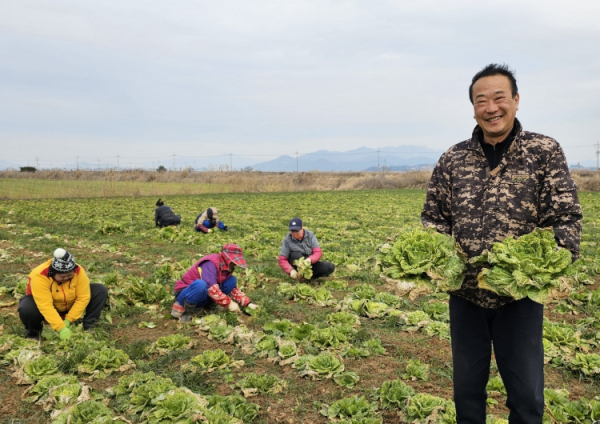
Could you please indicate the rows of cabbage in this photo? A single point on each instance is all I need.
(364, 300)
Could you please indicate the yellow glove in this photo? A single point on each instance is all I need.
(252, 306)
(294, 274)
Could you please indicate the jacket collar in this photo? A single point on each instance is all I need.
(474, 143)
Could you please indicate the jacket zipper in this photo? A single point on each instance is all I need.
(65, 297)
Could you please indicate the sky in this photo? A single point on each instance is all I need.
(141, 82)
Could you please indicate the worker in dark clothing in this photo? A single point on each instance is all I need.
(164, 215)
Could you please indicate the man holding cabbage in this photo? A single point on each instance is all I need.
(502, 182)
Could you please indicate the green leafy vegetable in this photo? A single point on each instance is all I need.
(351, 407)
(253, 384)
(234, 405)
(415, 369)
(105, 361)
(529, 266)
(394, 394)
(323, 366)
(346, 379)
(40, 367)
(304, 268)
(424, 255)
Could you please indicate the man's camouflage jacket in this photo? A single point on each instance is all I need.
(531, 187)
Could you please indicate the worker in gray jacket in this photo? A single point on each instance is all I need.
(302, 243)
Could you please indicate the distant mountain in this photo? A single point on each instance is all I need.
(8, 165)
(361, 159)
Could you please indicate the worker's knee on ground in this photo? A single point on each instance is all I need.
(196, 293)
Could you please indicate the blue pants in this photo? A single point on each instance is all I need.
(197, 292)
(207, 224)
(515, 331)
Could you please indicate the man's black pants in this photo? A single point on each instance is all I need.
(515, 330)
(319, 268)
(32, 318)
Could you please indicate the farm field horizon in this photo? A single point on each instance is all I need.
(116, 241)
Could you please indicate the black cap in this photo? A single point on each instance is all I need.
(295, 224)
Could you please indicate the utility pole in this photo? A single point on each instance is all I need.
(296, 161)
(98, 164)
(597, 156)
(117, 162)
(174, 162)
(77, 157)
(230, 161)
(378, 161)
(37, 163)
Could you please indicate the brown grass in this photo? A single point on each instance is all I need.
(58, 183)
(112, 183)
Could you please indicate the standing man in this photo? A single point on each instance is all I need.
(302, 243)
(502, 182)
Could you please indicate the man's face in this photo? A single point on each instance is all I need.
(297, 234)
(495, 108)
(63, 278)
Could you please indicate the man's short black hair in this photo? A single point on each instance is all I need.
(495, 69)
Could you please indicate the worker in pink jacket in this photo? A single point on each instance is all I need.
(211, 280)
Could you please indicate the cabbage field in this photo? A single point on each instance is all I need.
(350, 348)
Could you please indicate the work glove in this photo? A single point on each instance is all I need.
(252, 306)
(67, 323)
(294, 274)
(233, 307)
(65, 333)
(209, 230)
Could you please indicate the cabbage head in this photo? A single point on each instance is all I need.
(104, 361)
(304, 291)
(304, 268)
(278, 327)
(422, 405)
(40, 367)
(253, 384)
(330, 337)
(343, 318)
(87, 412)
(233, 405)
(352, 407)
(301, 331)
(177, 407)
(346, 379)
(529, 266)
(211, 359)
(145, 396)
(394, 394)
(587, 364)
(173, 342)
(323, 366)
(423, 254)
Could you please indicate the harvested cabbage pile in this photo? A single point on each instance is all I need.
(422, 255)
(529, 266)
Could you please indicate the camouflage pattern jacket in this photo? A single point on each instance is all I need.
(531, 187)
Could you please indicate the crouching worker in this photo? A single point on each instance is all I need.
(59, 292)
(210, 280)
(301, 243)
(164, 215)
(207, 220)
